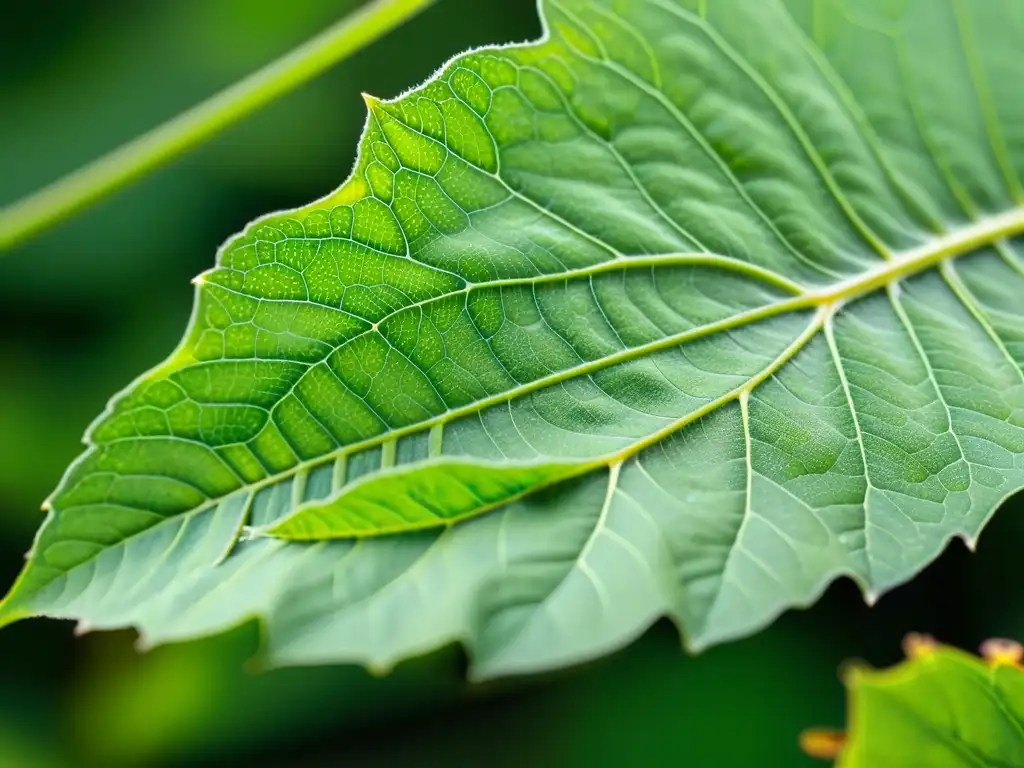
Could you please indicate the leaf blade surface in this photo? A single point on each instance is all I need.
(758, 306)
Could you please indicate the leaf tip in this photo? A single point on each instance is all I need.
(379, 668)
(9, 616)
(144, 643)
(822, 743)
(372, 102)
(269, 531)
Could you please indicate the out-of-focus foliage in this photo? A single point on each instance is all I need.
(942, 708)
(85, 307)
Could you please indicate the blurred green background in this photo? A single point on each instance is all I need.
(89, 305)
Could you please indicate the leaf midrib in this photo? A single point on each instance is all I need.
(906, 264)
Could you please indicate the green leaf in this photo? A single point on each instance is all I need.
(942, 708)
(704, 304)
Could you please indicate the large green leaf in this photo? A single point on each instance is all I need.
(703, 304)
(942, 708)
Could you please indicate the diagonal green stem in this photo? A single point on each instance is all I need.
(106, 174)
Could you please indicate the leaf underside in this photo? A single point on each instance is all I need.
(686, 309)
(944, 709)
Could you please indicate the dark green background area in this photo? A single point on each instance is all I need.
(89, 305)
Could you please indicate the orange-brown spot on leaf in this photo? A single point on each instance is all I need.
(917, 645)
(822, 743)
(999, 651)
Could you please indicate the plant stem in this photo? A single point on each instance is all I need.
(153, 149)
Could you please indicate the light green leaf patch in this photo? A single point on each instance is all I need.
(686, 309)
(412, 498)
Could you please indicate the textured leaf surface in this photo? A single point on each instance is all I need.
(685, 310)
(943, 709)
